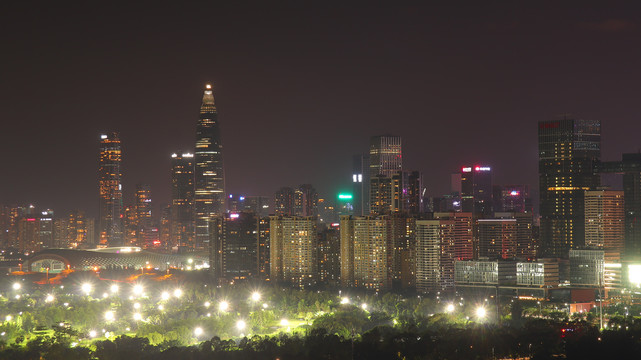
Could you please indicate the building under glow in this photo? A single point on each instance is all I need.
(110, 187)
(209, 197)
(182, 199)
(569, 149)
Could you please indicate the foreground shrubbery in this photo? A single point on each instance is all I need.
(430, 339)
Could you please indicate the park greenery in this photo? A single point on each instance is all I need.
(86, 316)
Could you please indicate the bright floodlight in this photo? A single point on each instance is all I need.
(93, 333)
(223, 306)
(364, 306)
(240, 325)
(16, 286)
(114, 288)
(86, 288)
(109, 315)
(198, 331)
(160, 307)
(207, 304)
(255, 296)
(165, 295)
(136, 305)
(284, 322)
(344, 301)
(450, 308)
(8, 318)
(137, 316)
(138, 289)
(480, 312)
(178, 293)
(49, 298)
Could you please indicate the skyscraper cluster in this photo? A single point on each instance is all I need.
(389, 233)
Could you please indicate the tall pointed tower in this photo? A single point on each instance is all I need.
(209, 199)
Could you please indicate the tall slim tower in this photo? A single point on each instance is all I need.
(182, 199)
(110, 186)
(209, 199)
(568, 152)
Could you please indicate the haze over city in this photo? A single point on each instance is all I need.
(301, 89)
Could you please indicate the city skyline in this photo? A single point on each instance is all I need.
(443, 126)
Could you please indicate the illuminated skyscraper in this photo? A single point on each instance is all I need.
(293, 250)
(605, 220)
(476, 189)
(144, 220)
(182, 199)
(385, 155)
(568, 152)
(110, 186)
(209, 199)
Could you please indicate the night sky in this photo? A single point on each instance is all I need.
(299, 90)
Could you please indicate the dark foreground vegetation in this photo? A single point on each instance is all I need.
(434, 338)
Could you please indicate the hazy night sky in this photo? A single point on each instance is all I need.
(299, 90)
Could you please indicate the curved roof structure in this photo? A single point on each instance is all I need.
(57, 260)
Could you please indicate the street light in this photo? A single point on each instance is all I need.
(450, 308)
(137, 316)
(16, 286)
(198, 331)
(344, 301)
(86, 288)
(138, 289)
(364, 306)
(284, 322)
(223, 306)
(49, 298)
(240, 325)
(109, 316)
(114, 288)
(164, 296)
(178, 293)
(255, 296)
(481, 312)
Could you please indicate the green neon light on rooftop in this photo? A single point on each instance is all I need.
(345, 196)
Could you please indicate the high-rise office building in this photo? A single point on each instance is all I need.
(240, 246)
(293, 250)
(605, 220)
(361, 182)
(385, 155)
(476, 189)
(144, 219)
(182, 199)
(630, 168)
(46, 228)
(209, 198)
(568, 152)
(512, 198)
(110, 186)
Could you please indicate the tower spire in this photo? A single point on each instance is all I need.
(208, 104)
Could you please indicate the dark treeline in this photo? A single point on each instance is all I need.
(438, 339)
